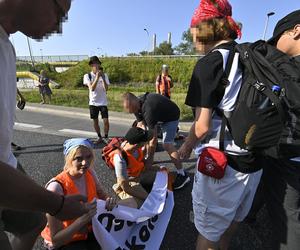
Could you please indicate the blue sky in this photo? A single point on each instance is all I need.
(116, 27)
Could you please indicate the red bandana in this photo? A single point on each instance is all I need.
(209, 9)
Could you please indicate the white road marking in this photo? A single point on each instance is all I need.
(78, 132)
(26, 125)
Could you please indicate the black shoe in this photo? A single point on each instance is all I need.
(181, 181)
(15, 146)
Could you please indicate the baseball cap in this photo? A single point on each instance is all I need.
(286, 23)
(94, 60)
(138, 135)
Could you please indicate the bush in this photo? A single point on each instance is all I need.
(125, 70)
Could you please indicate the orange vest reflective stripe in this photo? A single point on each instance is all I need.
(164, 87)
(70, 188)
(134, 165)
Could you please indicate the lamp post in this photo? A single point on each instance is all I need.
(148, 39)
(30, 52)
(267, 23)
(42, 55)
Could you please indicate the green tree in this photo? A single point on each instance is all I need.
(186, 47)
(164, 49)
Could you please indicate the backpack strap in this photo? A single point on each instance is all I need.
(90, 76)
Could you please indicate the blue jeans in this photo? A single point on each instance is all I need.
(169, 130)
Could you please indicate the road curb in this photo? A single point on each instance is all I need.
(84, 114)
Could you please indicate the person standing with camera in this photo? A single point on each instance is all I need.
(98, 82)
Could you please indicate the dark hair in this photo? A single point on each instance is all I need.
(216, 29)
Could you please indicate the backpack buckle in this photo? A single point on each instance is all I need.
(259, 86)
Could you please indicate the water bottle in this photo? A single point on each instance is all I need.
(276, 90)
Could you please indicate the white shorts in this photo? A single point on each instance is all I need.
(217, 203)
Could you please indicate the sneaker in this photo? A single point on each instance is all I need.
(181, 181)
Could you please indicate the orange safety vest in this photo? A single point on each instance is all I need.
(70, 188)
(134, 165)
(164, 86)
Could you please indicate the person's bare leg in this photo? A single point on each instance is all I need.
(43, 99)
(172, 151)
(106, 126)
(49, 97)
(227, 236)
(97, 129)
(205, 244)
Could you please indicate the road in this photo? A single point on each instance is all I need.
(42, 134)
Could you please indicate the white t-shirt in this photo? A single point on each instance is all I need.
(8, 92)
(98, 96)
(227, 104)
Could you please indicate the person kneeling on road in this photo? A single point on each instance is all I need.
(131, 169)
(78, 177)
(151, 109)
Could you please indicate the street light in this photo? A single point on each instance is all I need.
(42, 55)
(266, 25)
(148, 43)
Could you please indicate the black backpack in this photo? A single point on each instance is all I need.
(264, 120)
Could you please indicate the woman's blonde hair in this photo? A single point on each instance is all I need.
(70, 156)
(215, 29)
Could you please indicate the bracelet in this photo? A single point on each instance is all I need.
(60, 207)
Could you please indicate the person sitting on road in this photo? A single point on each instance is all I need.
(151, 109)
(78, 177)
(131, 168)
(164, 82)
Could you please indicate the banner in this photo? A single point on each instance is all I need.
(127, 228)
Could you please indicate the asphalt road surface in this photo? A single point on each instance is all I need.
(42, 136)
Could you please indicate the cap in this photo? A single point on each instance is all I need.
(138, 135)
(286, 23)
(94, 60)
(76, 142)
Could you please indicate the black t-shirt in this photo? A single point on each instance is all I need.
(157, 108)
(203, 88)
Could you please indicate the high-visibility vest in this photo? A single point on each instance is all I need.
(134, 165)
(164, 86)
(70, 188)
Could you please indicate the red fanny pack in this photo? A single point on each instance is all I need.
(212, 162)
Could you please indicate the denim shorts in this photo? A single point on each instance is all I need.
(169, 130)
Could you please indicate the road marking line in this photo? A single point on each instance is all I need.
(26, 125)
(76, 132)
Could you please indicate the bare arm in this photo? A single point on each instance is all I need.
(105, 84)
(93, 85)
(197, 132)
(60, 236)
(25, 194)
(133, 191)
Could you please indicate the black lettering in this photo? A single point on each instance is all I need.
(144, 234)
(133, 245)
(155, 218)
(110, 219)
(130, 223)
(119, 224)
(150, 225)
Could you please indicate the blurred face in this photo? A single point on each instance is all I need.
(129, 107)
(40, 18)
(203, 47)
(165, 71)
(95, 67)
(81, 162)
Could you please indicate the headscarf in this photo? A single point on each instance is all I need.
(76, 142)
(209, 9)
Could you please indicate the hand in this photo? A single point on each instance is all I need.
(185, 151)
(163, 169)
(110, 203)
(98, 74)
(74, 206)
(87, 217)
